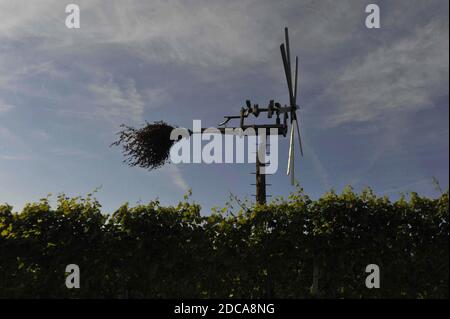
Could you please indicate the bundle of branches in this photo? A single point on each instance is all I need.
(147, 147)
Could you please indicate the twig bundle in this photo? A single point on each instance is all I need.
(147, 147)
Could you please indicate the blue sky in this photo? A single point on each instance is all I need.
(375, 102)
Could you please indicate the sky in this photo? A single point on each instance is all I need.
(374, 102)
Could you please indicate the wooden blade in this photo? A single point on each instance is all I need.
(299, 136)
(287, 72)
(288, 51)
(292, 167)
(291, 151)
(295, 79)
(288, 59)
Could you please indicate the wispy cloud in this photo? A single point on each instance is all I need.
(396, 78)
(118, 101)
(176, 177)
(9, 139)
(15, 157)
(4, 107)
(318, 165)
(200, 33)
(156, 97)
(74, 152)
(40, 135)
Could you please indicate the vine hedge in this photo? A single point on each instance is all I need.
(151, 251)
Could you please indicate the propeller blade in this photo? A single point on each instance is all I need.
(285, 55)
(293, 171)
(291, 151)
(288, 59)
(287, 72)
(299, 136)
(288, 51)
(296, 78)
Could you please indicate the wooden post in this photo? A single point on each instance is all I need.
(260, 178)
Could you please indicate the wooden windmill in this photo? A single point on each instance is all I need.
(149, 146)
(288, 114)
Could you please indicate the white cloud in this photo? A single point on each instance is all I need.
(156, 97)
(40, 135)
(176, 177)
(318, 165)
(46, 68)
(15, 157)
(8, 137)
(4, 107)
(26, 76)
(224, 36)
(397, 78)
(118, 102)
(201, 33)
(74, 152)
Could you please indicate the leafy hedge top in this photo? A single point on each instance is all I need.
(168, 252)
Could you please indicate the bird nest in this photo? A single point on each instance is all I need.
(147, 147)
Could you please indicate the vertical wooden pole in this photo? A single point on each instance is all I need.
(260, 178)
